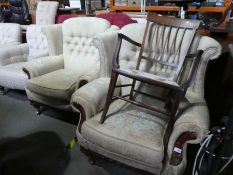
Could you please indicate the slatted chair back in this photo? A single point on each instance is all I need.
(165, 44)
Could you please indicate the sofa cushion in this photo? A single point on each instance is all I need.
(118, 19)
(126, 132)
(57, 84)
(12, 76)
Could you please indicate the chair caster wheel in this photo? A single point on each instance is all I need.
(91, 161)
(4, 90)
(39, 110)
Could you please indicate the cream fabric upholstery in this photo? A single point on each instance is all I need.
(13, 58)
(10, 34)
(46, 12)
(133, 135)
(56, 78)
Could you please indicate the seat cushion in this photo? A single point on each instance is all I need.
(58, 84)
(12, 76)
(129, 133)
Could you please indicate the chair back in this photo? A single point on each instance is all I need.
(79, 53)
(46, 12)
(10, 34)
(37, 42)
(165, 44)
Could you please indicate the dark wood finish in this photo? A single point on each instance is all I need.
(177, 153)
(82, 116)
(27, 73)
(170, 49)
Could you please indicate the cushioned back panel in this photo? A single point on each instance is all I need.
(46, 12)
(79, 53)
(37, 42)
(10, 34)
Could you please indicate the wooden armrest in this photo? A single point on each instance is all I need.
(115, 60)
(129, 39)
(177, 153)
(194, 68)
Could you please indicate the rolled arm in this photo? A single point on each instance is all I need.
(211, 50)
(14, 54)
(194, 122)
(91, 97)
(43, 65)
(106, 44)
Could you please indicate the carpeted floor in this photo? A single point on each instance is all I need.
(31, 144)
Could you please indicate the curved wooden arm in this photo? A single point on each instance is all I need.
(177, 153)
(82, 115)
(115, 61)
(26, 72)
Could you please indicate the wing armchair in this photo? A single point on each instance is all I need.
(13, 58)
(132, 135)
(54, 79)
(10, 34)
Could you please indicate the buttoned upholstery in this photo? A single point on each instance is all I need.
(10, 34)
(133, 135)
(46, 12)
(55, 81)
(12, 59)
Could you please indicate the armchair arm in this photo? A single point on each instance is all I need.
(43, 65)
(106, 44)
(90, 97)
(14, 54)
(54, 37)
(211, 50)
(194, 122)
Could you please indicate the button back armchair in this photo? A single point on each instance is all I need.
(54, 79)
(13, 58)
(133, 135)
(10, 34)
